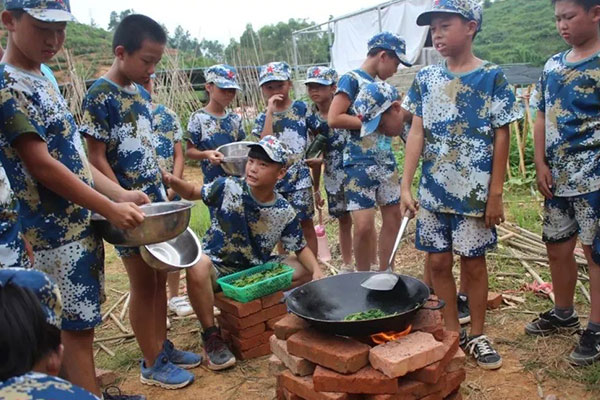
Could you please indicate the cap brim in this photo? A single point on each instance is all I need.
(320, 81)
(266, 150)
(50, 15)
(403, 60)
(370, 126)
(273, 78)
(226, 85)
(425, 18)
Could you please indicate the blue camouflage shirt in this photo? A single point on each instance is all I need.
(12, 247)
(569, 94)
(122, 119)
(168, 132)
(460, 113)
(31, 104)
(290, 128)
(243, 231)
(207, 132)
(38, 386)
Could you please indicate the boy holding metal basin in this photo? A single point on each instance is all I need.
(248, 220)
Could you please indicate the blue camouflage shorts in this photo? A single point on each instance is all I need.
(303, 202)
(78, 269)
(568, 216)
(333, 180)
(336, 204)
(367, 186)
(443, 232)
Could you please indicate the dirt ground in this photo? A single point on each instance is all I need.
(533, 368)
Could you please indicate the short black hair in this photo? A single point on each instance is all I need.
(587, 4)
(259, 153)
(376, 50)
(134, 29)
(25, 335)
(17, 13)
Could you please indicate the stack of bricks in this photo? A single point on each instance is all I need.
(426, 364)
(247, 327)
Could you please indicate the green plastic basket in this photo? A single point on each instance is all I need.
(258, 289)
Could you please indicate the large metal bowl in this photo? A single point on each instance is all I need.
(236, 156)
(182, 252)
(164, 221)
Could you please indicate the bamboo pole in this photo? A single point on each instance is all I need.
(112, 308)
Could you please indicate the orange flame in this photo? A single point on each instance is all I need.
(384, 337)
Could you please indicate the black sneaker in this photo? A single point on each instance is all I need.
(219, 355)
(463, 338)
(480, 347)
(588, 350)
(464, 315)
(548, 323)
(114, 393)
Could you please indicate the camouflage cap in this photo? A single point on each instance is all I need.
(276, 151)
(469, 9)
(274, 71)
(390, 41)
(372, 101)
(43, 10)
(39, 283)
(223, 76)
(321, 75)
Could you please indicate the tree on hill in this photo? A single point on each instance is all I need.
(115, 18)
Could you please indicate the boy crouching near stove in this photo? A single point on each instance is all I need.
(249, 218)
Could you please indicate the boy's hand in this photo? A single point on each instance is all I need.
(314, 162)
(125, 215)
(215, 157)
(494, 211)
(544, 179)
(28, 250)
(317, 274)
(408, 205)
(133, 196)
(171, 194)
(319, 202)
(276, 98)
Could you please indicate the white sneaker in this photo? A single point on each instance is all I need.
(180, 306)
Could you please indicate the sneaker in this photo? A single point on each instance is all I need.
(464, 315)
(183, 359)
(165, 374)
(463, 338)
(588, 349)
(548, 323)
(114, 393)
(480, 347)
(219, 355)
(180, 306)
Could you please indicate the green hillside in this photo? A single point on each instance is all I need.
(518, 31)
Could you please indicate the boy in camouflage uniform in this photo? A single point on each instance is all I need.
(461, 110)
(13, 246)
(567, 138)
(386, 52)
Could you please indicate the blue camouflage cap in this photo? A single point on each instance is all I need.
(371, 102)
(274, 71)
(469, 9)
(222, 75)
(274, 149)
(390, 41)
(321, 75)
(41, 285)
(43, 10)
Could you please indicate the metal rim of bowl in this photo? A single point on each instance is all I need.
(186, 205)
(182, 266)
(243, 142)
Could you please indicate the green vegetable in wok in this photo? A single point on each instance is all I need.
(369, 314)
(259, 276)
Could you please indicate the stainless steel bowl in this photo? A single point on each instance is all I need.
(236, 156)
(164, 221)
(182, 252)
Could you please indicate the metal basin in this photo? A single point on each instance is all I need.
(182, 252)
(236, 156)
(164, 221)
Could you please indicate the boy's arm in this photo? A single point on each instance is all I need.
(315, 167)
(54, 175)
(494, 209)
(183, 188)
(309, 261)
(114, 191)
(97, 157)
(338, 116)
(268, 125)
(414, 148)
(177, 166)
(543, 174)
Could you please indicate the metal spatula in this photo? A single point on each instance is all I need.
(386, 280)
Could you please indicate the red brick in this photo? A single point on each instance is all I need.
(433, 396)
(271, 323)
(274, 311)
(454, 396)
(453, 381)
(407, 354)
(457, 362)
(276, 366)
(366, 380)
(290, 396)
(236, 308)
(298, 366)
(105, 377)
(245, 322)
(289, 325)
(241, 333)
(430, 321)
(262, 350)
(433, 372)
(303, 387)
(271, 299)
(250, 343)
(409, 389)
(338, 353)
(494, 300)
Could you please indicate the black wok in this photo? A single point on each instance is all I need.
(326, 302)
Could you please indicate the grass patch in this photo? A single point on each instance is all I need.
(200, 219)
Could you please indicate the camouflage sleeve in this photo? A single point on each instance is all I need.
(347, 85)
(505, 107)
(538, 100)
(194, 130)
(413, 101)
(95, 121)
(212, 193)
(259, 125)
(241, 134)
(292, 237)
(178, 136)
(18, 116)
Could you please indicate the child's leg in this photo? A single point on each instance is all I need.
(308, 229)
(564, 271)
(475, 269)
(391, 219)
(594, 272)
(201, 283)
(362, 237)
(445, 288)
(160, 307)
(78, 359)
(173, 284)
(345, 236)
(374, 250)
(301, 274)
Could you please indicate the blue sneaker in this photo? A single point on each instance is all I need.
(182, 359)
(165, 374)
